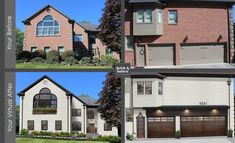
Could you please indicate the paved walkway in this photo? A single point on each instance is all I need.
(186, 140)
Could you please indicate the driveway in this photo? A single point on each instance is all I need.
(186, 140)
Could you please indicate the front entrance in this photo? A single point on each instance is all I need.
(140, 56)
(91, 128)
(140, 126)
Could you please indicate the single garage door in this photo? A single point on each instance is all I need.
(203, 126)
(160, 55)
(202, 54)
(161, 127)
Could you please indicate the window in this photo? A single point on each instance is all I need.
(76, 126)
(92, 39)
(78, 38)
(107, 127)
(108, 51)
(129, 42)
(144, 16)
(173, 17)
(58, 125)
(160, 88)
(61, 49)
(45, 99)
(48, 27)
(33, 49)
(129, 115)
(76, 112)
(44, 125)
(140, 88)
(47, 49)
(90, 114)
(30, 125)
(148, 87)
(160, 17)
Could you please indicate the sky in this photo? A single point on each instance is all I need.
(89, 83)
(79, 10)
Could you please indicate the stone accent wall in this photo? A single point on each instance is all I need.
(231, 29)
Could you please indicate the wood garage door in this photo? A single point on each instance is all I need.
(203, 126)
(161, 127)
(160, 55)
(202, 54)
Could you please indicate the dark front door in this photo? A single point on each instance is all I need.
(140, 127)
(91, 128)
(161, 127)
(203, 126)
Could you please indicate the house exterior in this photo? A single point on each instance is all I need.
(166, 33)
(159, 104)
(49, 29)
(47, 106)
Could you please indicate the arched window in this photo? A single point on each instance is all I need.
(48, 27)
(90, 114)
(45, 99)
(76, 126)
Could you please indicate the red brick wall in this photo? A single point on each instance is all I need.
(202, 24)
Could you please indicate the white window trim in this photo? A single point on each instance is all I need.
(81, 37)
(144, 87)
(144, 22)
(33, 47)
(171, 23)
(59, 47)
(46, 47)
(161, 13)
(129, 49)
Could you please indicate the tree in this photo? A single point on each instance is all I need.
(19, 40)
(110, 25)
(110, 101)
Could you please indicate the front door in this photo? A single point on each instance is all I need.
(91, 128)
(140, 126)
(140, 56)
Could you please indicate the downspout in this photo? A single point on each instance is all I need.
(229, 83)
(67, 113)
(132, 109)
(84, 120)
(22, 98)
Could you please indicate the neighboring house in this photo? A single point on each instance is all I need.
(47, 106)
(172, 33)
(158, 105)
(49, 29)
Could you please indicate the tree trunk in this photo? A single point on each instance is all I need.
(119, 131)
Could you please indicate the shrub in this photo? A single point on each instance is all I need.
(111, 139)
(81, 135)
(178, 134)
(108, 60)
(35, 133)
(39, 53)
(85, 61)
(21, 61)
(38, 60)
(71, 61)
(65, 134)
(129, 137)
(23, 55)
(24, 132)
(53, 57)
(67, 54)
(230, 133)
(96, 61)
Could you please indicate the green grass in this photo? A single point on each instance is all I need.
(56, 66)
(30, 140)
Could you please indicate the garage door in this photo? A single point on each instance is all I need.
(203, 126)
(202, 54)
(161, 127)
(160, 55)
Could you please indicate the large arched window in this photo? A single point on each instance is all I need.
(48, 27)
(45, 99)
(76, 126)
(90, 114)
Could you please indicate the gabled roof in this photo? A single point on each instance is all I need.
(87, 27)
(86, 100)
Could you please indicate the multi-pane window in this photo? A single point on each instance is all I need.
(45, 99)
(78, 38)
(48, 27)
(129, 115)
(160, 17)
(129, 42)
(58, 125)
(173, 17)
(33, 49)
(140, 87)
(144, 88)
(76, 112)
(30, 125)
(144, 16)
(148, 87)
(61, 49)
(90, 114)
(160, 88)
(47, 49)
(44, 125)
(107, 127)
(76, 126)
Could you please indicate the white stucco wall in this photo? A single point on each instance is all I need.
(100, 129)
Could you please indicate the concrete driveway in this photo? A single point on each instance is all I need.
(186, 140)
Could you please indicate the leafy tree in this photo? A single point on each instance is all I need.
(110, 101)
(19, 40)
(110, 25)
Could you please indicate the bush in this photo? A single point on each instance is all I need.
(53, 57)
(24, 132)
(36, 133)
(24, 55)
(96, 61)
(71, 61)
(21, 61)
(67, 54)
(38, 60)
(65, 134)
(111, 139)
(129, 137)
(108, 60)
(39, 54)
(85, 61)
(230, 133)
(81, 135)
(178, 134)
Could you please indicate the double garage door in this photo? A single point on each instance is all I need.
(164, 127)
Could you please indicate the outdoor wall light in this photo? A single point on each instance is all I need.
(219, 38)
(214, 111)
(229, 82)
(185, 39)
(159, 112)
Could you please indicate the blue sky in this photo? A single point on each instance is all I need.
(79, 10)
(89, 83)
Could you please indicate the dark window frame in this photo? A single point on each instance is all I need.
(30, 126)
(44, 125)
(90, 114)
(107, 127)
(76, 126)
(76, 112)
(38, 101)
(58, 125)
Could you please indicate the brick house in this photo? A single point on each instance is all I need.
(170, 33)
(49, 29)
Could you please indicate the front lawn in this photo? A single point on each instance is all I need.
(30, 140)
(56, 66)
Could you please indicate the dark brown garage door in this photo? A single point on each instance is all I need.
(203, 126)
(161, 127)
